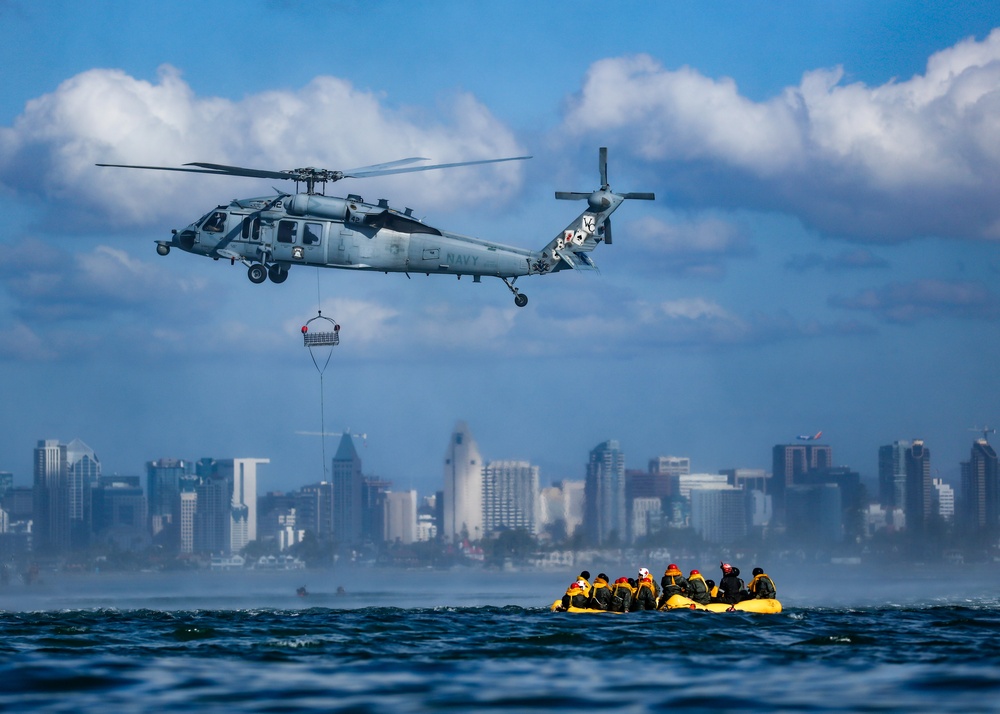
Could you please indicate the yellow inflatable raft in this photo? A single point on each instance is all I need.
(558, 603)
(769, 607)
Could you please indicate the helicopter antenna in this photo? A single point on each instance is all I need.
(985, 431)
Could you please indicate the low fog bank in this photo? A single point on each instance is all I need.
(799, 586)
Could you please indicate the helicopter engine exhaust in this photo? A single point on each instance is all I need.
(304, 204)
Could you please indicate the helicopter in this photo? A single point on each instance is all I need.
(271, 234)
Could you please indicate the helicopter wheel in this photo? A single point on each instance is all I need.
(257, 273)
(277, 274)
(520, 299)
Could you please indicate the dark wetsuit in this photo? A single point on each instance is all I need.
(730, 589)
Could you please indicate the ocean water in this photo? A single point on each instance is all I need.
(486, 642)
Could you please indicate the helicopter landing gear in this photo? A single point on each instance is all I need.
(277, 274)
(257, 273)
(520, 299)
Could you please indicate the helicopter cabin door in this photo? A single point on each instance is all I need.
(297, 241)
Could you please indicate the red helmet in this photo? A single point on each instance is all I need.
(695, 572)
(673, 566)
(727, 568)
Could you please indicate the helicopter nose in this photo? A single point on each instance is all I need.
(185, 239)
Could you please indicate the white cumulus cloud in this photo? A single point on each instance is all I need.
(913, 157)
(107, 116)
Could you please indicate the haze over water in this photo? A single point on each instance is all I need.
(411, 641)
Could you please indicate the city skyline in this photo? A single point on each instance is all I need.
(822, 253)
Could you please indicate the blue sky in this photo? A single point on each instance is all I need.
(822, 253)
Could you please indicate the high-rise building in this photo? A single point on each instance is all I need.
(463, 487)
(892, 474)
(347, 485)
(718, 514)
(51, 509)
(163, 487)
(605, 513)
(83, 470)
(187, 505)
(119, 513)
(815, 514)
(919, 504)
(510, 496)
(226, 514)
(981, 489)
(944, 495)
(400, 517)
(314, 510)
(373, 494)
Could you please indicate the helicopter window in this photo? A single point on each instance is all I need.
(251, 228)
(216, 222)
(398, 223)
(312, 234)
(287, 231)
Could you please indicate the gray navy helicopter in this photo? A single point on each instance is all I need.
(270, 235)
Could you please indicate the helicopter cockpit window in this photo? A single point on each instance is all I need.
(287, 231)
(312, 233)
(251, 228)
(216, 223)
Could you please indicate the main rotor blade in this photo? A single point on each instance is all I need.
(388, 165)
(208, 169)
(603, 165)
(641, 195)
(384, 172)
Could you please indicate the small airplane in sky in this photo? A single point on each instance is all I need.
(807, 437)
(272, 234)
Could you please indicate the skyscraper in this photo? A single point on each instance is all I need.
(980, 488)
(400, 517)
(163, 487)
(225, 519)
(892, 474)
(51, 511)
(604, 493)
(346, 483)
(463, 487)
(83, 470)
(510, 496)
(919, 504)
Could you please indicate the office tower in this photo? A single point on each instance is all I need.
(346, 484)
(645, 516)
(314, 510)
(892, 474)
(119, 513)
(187, 505)
(815, 514)
(163, 487)
(462, 507)
(212, 518)
(718, 513)
(226, 514)
(510, 496)
(373, 494)
(944, 496)
(919, 491)
(605, 517)
(6, 482)
(400, 517)
(790, 461)
(51, 508)
(82, 473)
(980, 489)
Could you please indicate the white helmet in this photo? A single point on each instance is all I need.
(643, 573)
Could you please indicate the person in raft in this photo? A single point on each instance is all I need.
(673, 582)
(584, 576)
(762, 587)
(645, 592)
(698, 588)
(600, 593)
(574, 596)
(731, 586)
(621, 595)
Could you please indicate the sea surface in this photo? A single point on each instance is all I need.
(475, 641)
